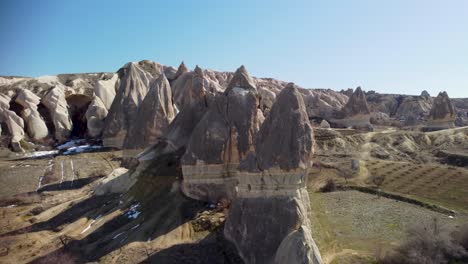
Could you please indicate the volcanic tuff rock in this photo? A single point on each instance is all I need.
(105, 90)
(181, 89)
(271, 188)
(35, 125)
(14, 123)
(134, 84)
(95, 115)
(355, 113)
(322, 103)
(442, 113)
(55, 101)
(324, 124)
(154, 115)
(442, 107)
(223, 137)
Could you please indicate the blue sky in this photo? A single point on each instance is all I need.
(398, 46)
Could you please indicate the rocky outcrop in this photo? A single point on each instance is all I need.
(442, 115)
(13, 122)
(271, 188)
(95, 115)
(180, 70)
(35, 125)
(324, 124)
(154, 115)
(222, 138)
(182, 87)
(322, 103)
(105, 90)
(355, 113)
(135, 78)
(57, 105)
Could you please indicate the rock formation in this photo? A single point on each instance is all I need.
(223, 137)
(324, 124)
(105, 90)
(271, 189)
(442, 115)
(57, 105)
(14, 123)
(134, 84)
(95, 116)
(35, 125)
(355, 113)
(154, 115)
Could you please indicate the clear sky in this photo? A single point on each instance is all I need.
(392, 46)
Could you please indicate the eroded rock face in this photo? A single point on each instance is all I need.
(355, 113)
(271, 187)
(442, 107)
(105, 90)
(442, 115)
(35, 125)
(135, 78)
(222, 138)
(57, 105)
(324, 124)
(155, 114)
(14, 123)
(95, 115)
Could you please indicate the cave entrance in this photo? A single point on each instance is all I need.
(15, 107)
(45, 114)
(78, 104)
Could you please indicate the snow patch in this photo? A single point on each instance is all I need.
(81, 149)
(71, 143)
(40, 154)
(133, 212)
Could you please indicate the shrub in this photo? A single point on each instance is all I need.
(430, 244)
(329, 186)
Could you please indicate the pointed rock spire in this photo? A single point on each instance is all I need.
(242, 79)
(357, 104)
(442, 107)
(181, 70)
(199, 71)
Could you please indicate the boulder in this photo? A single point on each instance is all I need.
(57, 105)
(324, 124)
(35, 125)
(222, 138)
(155, 114)
(272, 187)
(14, 123)
(135, 78)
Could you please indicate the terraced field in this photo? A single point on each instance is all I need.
(440, 184)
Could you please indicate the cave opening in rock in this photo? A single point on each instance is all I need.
(78, 104)
(15, 107)
(45, 114)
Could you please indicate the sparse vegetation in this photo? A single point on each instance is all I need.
(430, 243)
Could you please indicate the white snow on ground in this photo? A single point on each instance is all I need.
(95, 220)
(39, 154)
(133, 212)
(9, 206)
(116, 236)
(81, 149)
(71, 143)
(50, 165)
